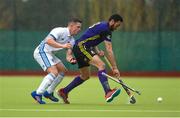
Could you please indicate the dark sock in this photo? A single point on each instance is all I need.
(76, 82)
(104, 81)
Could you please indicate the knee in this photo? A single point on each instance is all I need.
(55, 73)
(53, 70)
(101, 66)
(64, 71)
(84, 77)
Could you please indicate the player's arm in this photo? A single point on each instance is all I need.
(111, 58)
(50, 41)
(69, 57)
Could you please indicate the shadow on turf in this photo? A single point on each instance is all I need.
(89, 104)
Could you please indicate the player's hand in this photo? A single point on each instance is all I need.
(116, 73)
(101, 53)
(67, 45)
(73, 61)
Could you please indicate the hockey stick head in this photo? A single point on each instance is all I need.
(138, 92)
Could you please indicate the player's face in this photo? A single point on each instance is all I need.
(115, 25)
(75, 28)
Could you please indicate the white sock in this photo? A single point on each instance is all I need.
(47, 81)
(55, 83)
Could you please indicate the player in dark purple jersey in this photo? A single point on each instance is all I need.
(86, 52)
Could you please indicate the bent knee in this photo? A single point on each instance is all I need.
(53, 71)
(85, 77)
(65, 70)
(56, 73)
(101, 66)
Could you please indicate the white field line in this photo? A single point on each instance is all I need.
(90, 117)
(89, 110)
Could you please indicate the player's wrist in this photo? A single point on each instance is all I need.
(114, 68)
(73, 61)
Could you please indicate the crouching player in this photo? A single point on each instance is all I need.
(59, 38)
(84, 51)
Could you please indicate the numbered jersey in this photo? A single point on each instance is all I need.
(95, 34)
(60, 35)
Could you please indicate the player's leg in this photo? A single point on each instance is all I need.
(50, 90)
(63, 92)
(45, 60)
(61, 70)
(96, 61)
(85, 73)
(47, 81)
(109, 94)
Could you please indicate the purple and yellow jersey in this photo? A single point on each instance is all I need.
(95, 35)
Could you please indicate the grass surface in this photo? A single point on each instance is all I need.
(88, 100)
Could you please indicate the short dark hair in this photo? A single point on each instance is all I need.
(116, 17)
(75, 20)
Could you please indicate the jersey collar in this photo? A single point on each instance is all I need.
(68, 32)
(107, 23)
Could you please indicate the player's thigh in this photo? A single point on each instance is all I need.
(85, 73)
(43, 59)
(81, 58)
(58, 64)
(47, 61)
(96, 61)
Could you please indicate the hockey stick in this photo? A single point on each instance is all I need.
(120, 82)
(133, 100)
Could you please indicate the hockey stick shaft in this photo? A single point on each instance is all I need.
(119, 81)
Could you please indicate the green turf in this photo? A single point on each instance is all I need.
(88, 99)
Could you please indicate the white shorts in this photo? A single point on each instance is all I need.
(45, 59)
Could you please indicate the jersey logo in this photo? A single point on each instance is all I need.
(109, 36)
(92, 52)
(85, 59)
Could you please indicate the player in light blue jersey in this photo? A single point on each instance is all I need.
(85, 53)
(59, 38)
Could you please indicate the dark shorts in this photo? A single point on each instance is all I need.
(83, 55)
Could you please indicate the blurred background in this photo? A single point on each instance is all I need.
(148, 41)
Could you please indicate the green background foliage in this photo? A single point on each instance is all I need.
(147, 41)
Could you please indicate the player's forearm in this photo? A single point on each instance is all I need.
(110, 55)
(53, 43)
(69, 55)
(111, 58)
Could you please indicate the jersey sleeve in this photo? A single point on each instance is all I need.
(108, 38)
(106, 35)
(55, 34)
(105, 31)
